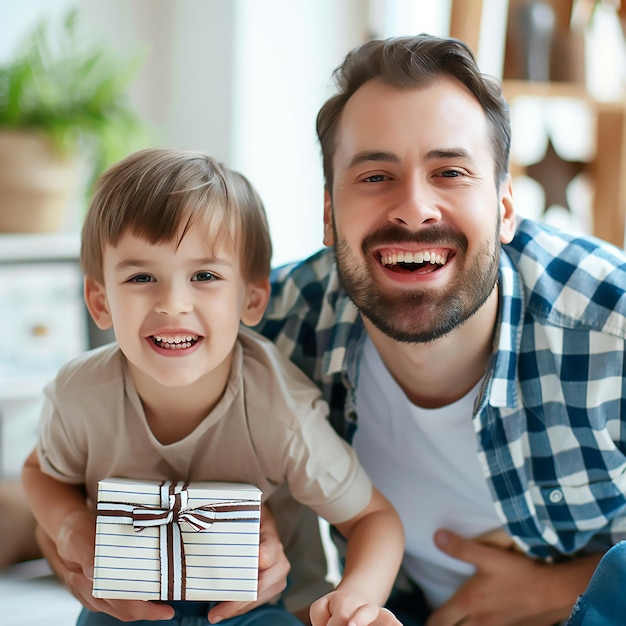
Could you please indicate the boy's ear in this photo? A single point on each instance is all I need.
(257, 297)
(96, 301)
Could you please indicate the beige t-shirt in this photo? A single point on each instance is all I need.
(269, 428)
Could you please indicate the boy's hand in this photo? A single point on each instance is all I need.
(71, 558)
(339, 608)
(273, 570)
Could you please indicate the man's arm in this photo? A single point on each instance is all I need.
(509, 588)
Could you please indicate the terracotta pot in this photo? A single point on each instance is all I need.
(37, 183)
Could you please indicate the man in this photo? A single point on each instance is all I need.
(484, 360)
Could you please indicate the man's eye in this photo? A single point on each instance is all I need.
(141, 278)
(375, 178)
(204, 276)
(451, 173)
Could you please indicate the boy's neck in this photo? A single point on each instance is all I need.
(173, 413)
(174, 420)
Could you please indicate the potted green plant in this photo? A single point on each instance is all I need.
(63, 103)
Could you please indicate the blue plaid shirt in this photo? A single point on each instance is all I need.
(550, 420)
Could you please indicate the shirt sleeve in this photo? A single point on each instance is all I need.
(323, 471)
(58, 448)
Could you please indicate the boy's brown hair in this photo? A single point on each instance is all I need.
(159, 194)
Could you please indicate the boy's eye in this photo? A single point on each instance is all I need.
(204, 276)
(141, 278)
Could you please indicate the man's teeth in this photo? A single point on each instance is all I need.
(414, 257)
(177, 342)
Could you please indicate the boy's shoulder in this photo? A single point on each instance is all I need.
(262, 356)
(271, 378)
(96, 368)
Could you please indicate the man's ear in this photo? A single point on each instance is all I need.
(329, 233)
(507, 211)
(96, 301)
(257, 297)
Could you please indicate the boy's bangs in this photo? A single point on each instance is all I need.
(181, 211)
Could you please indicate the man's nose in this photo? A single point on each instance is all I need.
(416, 203)
(174, 299)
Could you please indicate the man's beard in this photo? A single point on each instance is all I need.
(419, 315)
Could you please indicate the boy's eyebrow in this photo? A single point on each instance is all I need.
(133, 263)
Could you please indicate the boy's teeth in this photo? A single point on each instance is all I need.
(176, 339)
(177, 342)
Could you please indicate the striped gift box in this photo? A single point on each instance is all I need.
(176, 541)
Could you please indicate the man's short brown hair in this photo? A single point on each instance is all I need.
(409, 62)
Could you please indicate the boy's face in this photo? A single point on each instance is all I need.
(175, 309)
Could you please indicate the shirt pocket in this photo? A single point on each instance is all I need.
(571, 515)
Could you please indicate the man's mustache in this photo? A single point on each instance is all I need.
(436, 235)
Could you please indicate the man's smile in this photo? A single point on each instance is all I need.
(399, 260)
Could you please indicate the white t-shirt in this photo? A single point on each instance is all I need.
(425, 462)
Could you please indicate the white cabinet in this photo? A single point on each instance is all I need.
(43, 323)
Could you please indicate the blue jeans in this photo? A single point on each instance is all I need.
(604, 601)
(195, 614)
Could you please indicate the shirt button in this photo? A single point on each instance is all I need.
(556, 496)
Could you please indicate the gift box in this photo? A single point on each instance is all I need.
(176, 541)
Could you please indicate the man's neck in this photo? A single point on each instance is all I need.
(438, 373)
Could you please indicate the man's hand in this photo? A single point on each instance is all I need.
(509, 588)
(339, 608)
(72, 560)
(273, 570)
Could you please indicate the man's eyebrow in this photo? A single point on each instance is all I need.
(391, 157)
(448, 153)
(373, 155)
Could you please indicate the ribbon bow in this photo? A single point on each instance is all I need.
(167, 517)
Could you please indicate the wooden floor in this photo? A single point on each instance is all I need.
(31, 596)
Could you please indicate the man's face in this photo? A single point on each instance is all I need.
(416, 217)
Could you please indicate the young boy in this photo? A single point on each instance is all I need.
(176, 253)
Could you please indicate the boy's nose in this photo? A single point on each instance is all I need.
(173, 300)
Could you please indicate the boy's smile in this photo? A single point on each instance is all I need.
(174, 342)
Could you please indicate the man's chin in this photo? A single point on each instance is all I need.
(403, 329)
